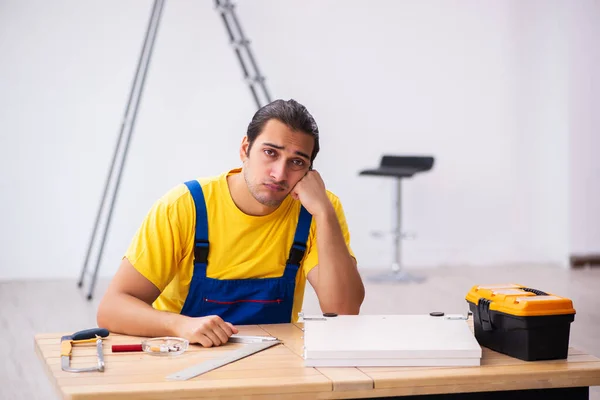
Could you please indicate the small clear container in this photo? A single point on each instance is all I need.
(165, 346)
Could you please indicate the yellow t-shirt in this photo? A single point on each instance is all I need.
(241, 246)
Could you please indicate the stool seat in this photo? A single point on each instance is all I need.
(400, 166)
(391, 171)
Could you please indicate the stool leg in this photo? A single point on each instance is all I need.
(397, 232)
(397, 274)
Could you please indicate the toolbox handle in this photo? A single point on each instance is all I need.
(483, 306)
(535, 291)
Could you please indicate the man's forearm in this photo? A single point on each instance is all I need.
(123, 313)
(340, 287)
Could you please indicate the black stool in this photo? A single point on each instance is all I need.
(399, 167)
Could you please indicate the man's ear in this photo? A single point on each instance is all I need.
(244, 147)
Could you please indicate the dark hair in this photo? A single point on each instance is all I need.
(289, 112)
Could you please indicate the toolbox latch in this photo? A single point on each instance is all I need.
(483, 306)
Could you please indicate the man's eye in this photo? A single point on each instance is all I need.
(298, 163)
(269, 152)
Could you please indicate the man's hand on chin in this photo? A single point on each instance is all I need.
(311, 192)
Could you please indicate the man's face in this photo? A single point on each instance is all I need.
(278, 159)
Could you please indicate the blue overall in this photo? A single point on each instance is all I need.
(242, 301)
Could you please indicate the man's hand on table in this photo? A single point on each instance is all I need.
(208, 331)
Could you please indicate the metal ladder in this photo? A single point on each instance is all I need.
(252, 76)
(241, 47)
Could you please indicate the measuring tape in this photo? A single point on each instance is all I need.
(234, 355)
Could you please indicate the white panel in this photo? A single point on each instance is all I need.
(393, 362)
(398, 340)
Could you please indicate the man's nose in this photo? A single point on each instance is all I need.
(279, 171)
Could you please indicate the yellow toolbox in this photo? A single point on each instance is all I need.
(521, 322)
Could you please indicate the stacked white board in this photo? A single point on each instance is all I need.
(389, 340)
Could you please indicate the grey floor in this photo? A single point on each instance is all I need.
(30, 307)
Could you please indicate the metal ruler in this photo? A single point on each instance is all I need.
(250, 339)
(230, 357)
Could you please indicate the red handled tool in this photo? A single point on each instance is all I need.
(121, 348)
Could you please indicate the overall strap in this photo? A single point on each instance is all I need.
(201, 245)
(299, 247)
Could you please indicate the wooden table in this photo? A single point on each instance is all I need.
(279, 373)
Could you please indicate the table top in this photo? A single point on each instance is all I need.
(279, 372)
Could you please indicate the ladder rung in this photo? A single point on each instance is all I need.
(227, 7)
(240, 43)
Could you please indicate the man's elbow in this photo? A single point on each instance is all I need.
(351, 311)
(346, 309)
(352, 307)
(349, 307)
(103, 314)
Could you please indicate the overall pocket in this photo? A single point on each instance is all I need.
(249, 302)
(242, 301)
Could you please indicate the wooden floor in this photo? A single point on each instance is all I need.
(29, 307)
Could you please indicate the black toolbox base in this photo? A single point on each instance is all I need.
(575, 393)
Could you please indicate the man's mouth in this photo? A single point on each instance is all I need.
(274, 187)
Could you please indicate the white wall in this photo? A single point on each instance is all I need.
(485, 87)
(584, 125)
(541, 103)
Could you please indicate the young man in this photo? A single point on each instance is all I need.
(237, 249)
